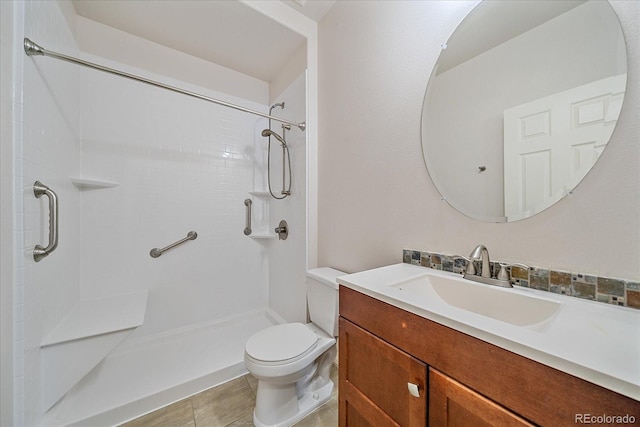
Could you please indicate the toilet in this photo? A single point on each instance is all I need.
(292, 361)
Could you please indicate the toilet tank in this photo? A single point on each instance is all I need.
(322, 298)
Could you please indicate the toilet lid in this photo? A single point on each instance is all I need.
(280, 342)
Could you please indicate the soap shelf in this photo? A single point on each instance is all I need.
(92, 183)
(262, 236)
(260, 215)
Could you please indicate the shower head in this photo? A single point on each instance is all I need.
(269, 132)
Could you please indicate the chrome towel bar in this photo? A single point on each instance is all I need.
(155, 252)
(39, 189)
(247, 228)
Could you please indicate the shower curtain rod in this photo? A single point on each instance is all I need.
(32, 48)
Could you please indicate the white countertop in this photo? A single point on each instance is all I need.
(597, 342)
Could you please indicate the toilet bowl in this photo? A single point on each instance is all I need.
(292, 361)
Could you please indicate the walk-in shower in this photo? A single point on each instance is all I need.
(135, 167)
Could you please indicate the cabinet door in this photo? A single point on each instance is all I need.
(375, 379)
(452, 404)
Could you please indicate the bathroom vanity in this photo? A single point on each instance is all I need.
(412, 362)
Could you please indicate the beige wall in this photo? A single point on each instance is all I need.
(375, 196)
(289, 73)
(107, 43)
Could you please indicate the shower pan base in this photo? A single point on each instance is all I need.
(148, 373)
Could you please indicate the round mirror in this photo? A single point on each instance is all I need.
(521, 103)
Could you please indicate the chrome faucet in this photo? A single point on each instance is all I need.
(480, 253)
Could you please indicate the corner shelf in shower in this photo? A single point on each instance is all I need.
(92, 183)
(84, 338)
(261, 204)
(262, 236)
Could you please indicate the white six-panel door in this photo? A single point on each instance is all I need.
(552, 142)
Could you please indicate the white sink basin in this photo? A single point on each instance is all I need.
(513, 306)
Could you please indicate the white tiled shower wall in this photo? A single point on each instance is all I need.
(182, 164)
(47, 141)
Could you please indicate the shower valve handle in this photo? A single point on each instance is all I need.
(282, 230)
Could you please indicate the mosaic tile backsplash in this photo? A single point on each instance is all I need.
(602, 289)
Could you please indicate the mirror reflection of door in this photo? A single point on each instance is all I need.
(505, 55)
(551, 143)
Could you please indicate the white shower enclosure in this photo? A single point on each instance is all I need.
(136, 167)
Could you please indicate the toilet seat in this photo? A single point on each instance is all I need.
(281, 344)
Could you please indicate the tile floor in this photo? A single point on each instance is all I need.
(229, 404)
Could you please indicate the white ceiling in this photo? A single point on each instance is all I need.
(225, 32)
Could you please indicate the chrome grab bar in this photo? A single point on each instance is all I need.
(39, 189)
(247, 228)
(155, 252)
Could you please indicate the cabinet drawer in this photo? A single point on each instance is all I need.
(452, 404)
(374, 382)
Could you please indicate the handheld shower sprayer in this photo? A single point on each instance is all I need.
(268, 132)
(286, 159)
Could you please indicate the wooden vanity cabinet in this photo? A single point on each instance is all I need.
(374, 382)
(468, 382)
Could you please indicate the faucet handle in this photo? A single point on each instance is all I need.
(503, 274)
(471, 268)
